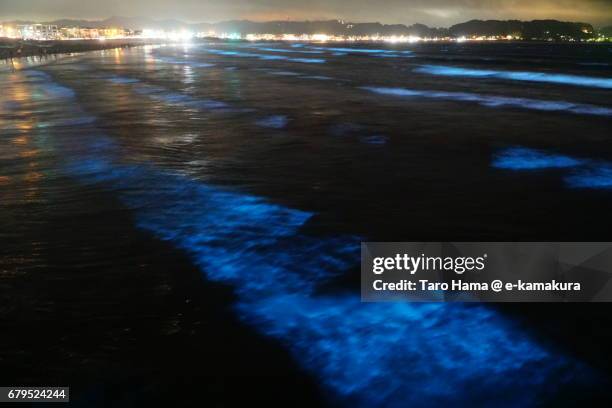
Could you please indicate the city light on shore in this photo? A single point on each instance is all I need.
(49, 32)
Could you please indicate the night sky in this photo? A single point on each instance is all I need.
(430, 12)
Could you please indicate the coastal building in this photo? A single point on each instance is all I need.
(39, 32)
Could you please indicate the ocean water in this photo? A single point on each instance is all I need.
(187, 218)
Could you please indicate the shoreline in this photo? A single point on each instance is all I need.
(11, 49)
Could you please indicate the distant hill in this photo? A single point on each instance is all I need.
(335, 27)
(537, 29)
(524, 29)
(138, 23)
(607, 31)
(135, 23)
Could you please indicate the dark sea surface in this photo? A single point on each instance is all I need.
(180, 225)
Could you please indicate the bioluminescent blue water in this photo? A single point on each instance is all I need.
(299, 75)
(46, 87)
(390, 354)
(76, 121)
(365, 354)
(230, 53)
(170, 97)
(368, 51)
(272, 57)
(318, 77)
(496, 101)
(290, 51)
(308, 60)
(146, 89)
(522, 158)
(38, 76)
(122, 80)
(10, 105)
(595, 176)
(263, 56)
(191, 102)
(402, 354)
(375, 139)
(283, 73)
(594, 64)
(274, 121)
(565, 79)
(345, 129)
(177, 61)
(584, 173)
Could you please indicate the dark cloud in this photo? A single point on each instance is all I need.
(432, 12)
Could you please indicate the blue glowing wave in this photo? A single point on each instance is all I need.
(308, 60)
(47, 87)
(299, 75)
(392, 355)
(375, 139)
(77, 121)
(596, 176)
(397, 354)
(522, 158)
(10, 105)
(289, 51)
(368, 51)
(177, 61)
(401, 354)
(177, 98)
(564, 79)
(264, 56)
(584, 173)
(594, 64)
(122, 80)
(496, 101)
(173, 98)
(274, 121)
(230, 235)
(181, 99)
(284, 73)
(317, 77)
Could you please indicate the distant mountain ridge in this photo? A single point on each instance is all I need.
(524, 29)
(135, 23)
